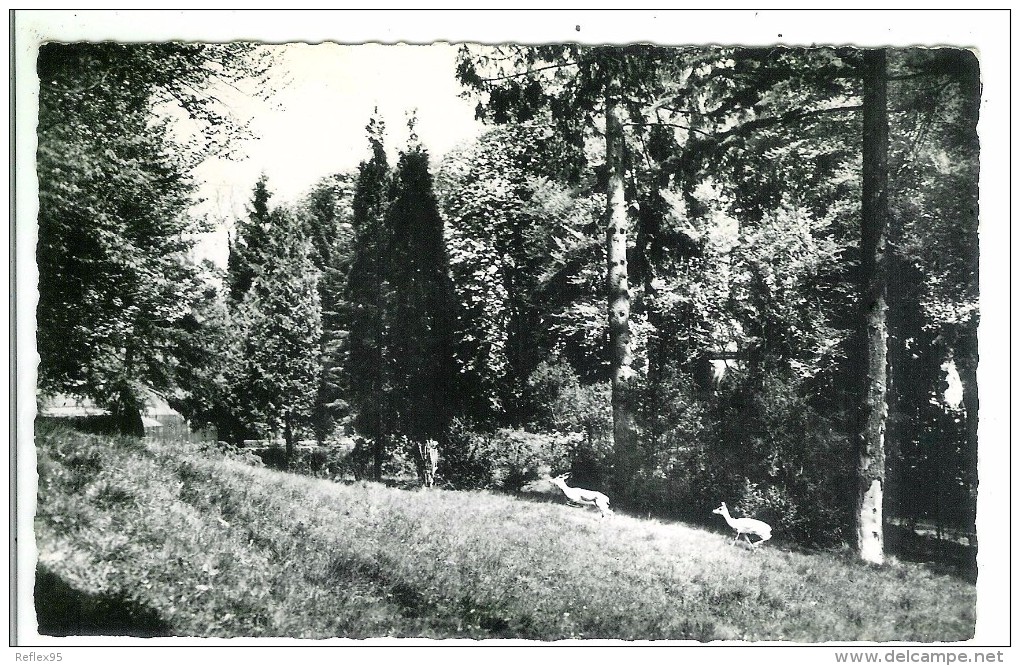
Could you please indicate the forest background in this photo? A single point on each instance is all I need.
(596, 28)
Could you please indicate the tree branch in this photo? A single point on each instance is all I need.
(685, 127)
(905, 77)
(792, 116)
(526, 73)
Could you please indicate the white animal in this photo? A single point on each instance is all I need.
(746, 526)
(580, 496)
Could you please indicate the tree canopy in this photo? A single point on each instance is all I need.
(662, 268)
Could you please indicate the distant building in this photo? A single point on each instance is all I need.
(158, 417)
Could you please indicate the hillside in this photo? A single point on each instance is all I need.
(143, 537)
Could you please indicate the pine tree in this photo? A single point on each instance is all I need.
(327, 213)
(281, 349)
(421, 309)
(246, 250)
(366, 294)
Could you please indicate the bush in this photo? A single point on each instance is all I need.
(324, 462)
(781, 461)
(558, 402)
(672, 433)
(464, 462)
(520, 457)
(507, 459)
(756, 444)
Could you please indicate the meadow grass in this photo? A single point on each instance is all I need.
(214, 547)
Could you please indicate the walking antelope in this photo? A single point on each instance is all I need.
(580, 496)
(746, 526)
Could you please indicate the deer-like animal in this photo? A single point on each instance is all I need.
(580, 496)
(746, 526)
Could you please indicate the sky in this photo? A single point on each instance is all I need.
(313, 123)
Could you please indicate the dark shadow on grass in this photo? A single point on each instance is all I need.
(62, 610)
(940, 555)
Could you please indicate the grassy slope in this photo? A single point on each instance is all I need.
(182, 542)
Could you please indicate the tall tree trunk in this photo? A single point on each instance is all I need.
(288, 438)
(873, 407)
(378, 446)
(617, 227)
(127, 410)
(966, 356)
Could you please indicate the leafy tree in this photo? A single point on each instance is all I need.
(114, 283)
(208, 359)
(579, 88)
(934, 97)
(508, 220)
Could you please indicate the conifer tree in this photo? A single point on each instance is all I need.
(281, 349)
(366, 293)
(327, 214)
(247, 249)
(421, 309)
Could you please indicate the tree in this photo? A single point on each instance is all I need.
(874, 215)
(281, 349)
(247, 250)
(208, 356)
(644, 104)
(421, 308)
(508, 217)
(365, 302)
(327, 214)
(578, 88)
(618, 287)
(934, 97)
(114, 282)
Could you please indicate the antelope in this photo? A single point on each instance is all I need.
(580, 496)
(746, 526)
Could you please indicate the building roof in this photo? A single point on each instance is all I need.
(68, 406)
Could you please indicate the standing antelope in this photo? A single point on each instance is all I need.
(746, 526)
(579, 496)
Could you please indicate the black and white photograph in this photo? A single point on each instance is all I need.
(611, 332)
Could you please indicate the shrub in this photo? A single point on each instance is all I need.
(506, 459)
(756, 444)
(399, 464)
(358, 461)
(324, 462)
(520, 457)
(558, 402)
(780, 460)
(583, 414)
(673, 432)
(233, 452)
(464, 463)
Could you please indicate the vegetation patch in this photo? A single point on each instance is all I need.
(171, 538)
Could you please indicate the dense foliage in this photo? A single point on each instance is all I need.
(711, 196)
(116, 287)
